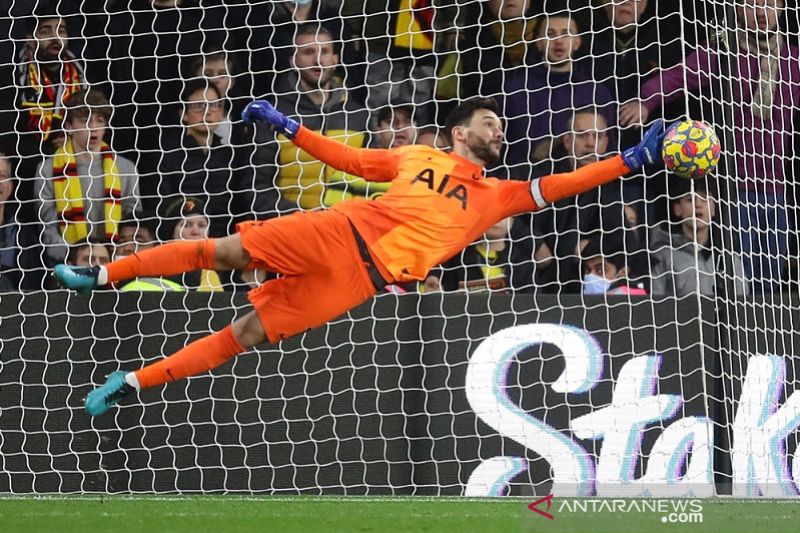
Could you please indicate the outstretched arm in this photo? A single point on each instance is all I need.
(370, 164)
(555, 187)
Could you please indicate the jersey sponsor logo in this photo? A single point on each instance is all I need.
(459, 192)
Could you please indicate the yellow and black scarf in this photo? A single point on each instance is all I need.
(69, 195)
(45, 100)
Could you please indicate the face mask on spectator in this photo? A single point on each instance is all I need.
(594, 284)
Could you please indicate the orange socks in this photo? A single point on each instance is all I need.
(559, 186)
(166, 260)
(198, 357)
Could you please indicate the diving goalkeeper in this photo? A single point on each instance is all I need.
(332, 261)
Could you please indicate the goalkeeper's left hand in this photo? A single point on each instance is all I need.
(648, 151)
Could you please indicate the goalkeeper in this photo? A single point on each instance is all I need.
(332, 261)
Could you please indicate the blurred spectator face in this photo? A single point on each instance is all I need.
(86, 130)
(624, 14)
(431, 138)
(400, 132)
(500, 230)
(508, 9)
(203, 110)
(598, 266)
(134, 239)
(191, 228)
(559, 40)
(217, 71)
(49, 39)
(588, 140)
(483, 135)
(6, 185)
(91, 255)
(697, 207)
(759, 15)
(315, 59)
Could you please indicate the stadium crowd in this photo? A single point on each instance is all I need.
(120, 127)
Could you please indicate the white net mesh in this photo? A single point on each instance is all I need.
(635, 340)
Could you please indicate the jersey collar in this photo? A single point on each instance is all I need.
(468, 166)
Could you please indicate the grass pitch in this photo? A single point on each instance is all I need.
(151, 514)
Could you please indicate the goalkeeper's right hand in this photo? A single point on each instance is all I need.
(263, 111)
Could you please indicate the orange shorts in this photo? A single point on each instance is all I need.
(324, 275)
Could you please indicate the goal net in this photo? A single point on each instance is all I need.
(637, 340)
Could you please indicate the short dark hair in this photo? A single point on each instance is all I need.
(77, 246)
(387, 113)
(312, 28)
(703, 186)
(585, 110)
(461, 115)
(144, 221)
(84, 102)
(194, 85)
(197, 64)
(45, 10)
(609, 246)
(541, 23)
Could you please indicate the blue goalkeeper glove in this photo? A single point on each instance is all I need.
(263, 111)
(648, 151)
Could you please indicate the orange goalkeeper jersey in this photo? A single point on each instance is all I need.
(439, 202)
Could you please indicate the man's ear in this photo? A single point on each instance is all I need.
(576, 45)
(623, 272)
(457, 132)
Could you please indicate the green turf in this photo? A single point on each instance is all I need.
(307, 514)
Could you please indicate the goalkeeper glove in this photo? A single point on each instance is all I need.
(263, 111)
(648, 151)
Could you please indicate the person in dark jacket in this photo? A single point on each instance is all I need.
(198, 164)
(563, 229)
(314, 93)
(539, 101)
(497, 42)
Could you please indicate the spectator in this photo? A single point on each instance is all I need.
(315, 94)
(685, 256)
(539, 101)
(185, 219)
(150, 43)
(85, 187)
(85, 253)
(562, 229)
(606, 270)
(10, 273)
(217, 69)
(484, 265)
(431, 136)
(496, 43)
(400, 39)
(396, 127)
(39, 75)
(134, 236)
(198, 164)
(633, 43)
(271, 39)
(763, 100)
(20, 250)
(47, 75)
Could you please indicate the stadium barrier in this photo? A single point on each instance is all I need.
(418, 394)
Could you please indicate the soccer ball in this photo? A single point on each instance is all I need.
(691, 149)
